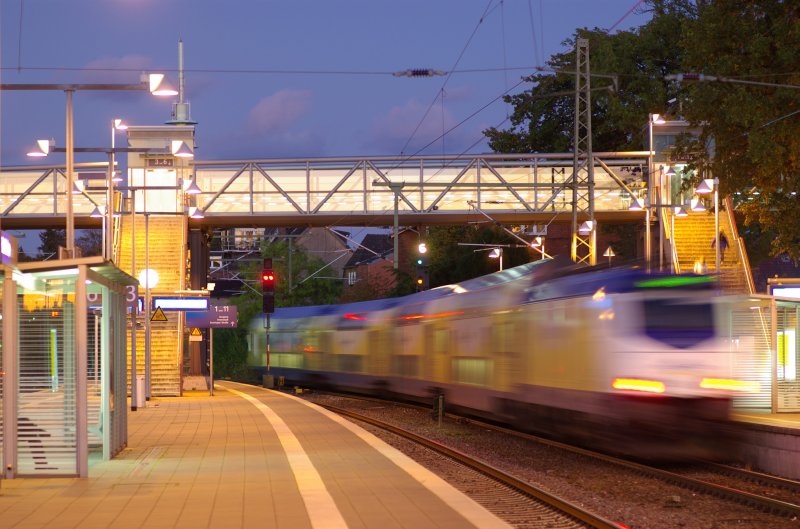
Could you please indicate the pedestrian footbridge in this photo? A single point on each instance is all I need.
(513, 189)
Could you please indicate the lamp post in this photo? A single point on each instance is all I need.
(654, 119)
(157, 85)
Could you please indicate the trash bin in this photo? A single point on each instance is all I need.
(140, 392)
(268, 381)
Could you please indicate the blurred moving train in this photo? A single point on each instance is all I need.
(613, 358)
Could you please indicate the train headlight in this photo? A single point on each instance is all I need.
(730, 385)
(639, 384)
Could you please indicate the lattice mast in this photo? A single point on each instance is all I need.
(584, 228)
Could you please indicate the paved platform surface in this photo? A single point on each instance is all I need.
(247, 457)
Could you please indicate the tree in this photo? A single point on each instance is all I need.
(754, 130)
(90, 242)
(543, 117)
(50, 240)
(451, 263)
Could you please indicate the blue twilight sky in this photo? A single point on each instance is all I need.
(296, 78)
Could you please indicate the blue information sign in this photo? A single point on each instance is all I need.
(217, 316)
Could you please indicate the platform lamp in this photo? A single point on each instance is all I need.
(638, 205)
(497, 253)
(156, 83)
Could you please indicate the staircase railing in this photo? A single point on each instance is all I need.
(741, 251)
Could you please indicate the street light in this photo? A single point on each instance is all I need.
(44, 147)
(497, 253)
(157, 84)
(707, 186)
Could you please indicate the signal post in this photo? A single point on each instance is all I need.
(268, 306)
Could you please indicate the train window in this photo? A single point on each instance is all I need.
(406, 365)
(677, 322)
(349, 363)
(441, 341)
(290, 360)
(474, 371)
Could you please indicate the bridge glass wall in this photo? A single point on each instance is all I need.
(362, 185)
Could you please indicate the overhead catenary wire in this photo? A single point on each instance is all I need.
(447, 79)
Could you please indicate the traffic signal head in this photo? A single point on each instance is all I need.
(267, 281)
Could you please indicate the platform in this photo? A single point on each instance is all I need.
(769, 442)
(246, 457)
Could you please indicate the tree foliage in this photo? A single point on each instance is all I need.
(750, 134)
(755, 130)
(452, 263)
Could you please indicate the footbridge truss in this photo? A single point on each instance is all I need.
(511, 189)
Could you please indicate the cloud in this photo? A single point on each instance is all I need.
(279, 111)
(400, 125)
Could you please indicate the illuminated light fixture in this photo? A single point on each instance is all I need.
(181, 149)
(638, 384)
(41, 148)
(670, 171)
(423, 248)
(119, 124)
(78, 187)
(496, 253)
(730, 385)
(117, 178)
(658, 119)
(96, 213)
(697, 205)
(351, 316)
(196, 213)
(586, 228)
(160, 86)
(537, 242)
(680, 211)
(148, 278)
(705, 187)
(193, 188)
(636, 205)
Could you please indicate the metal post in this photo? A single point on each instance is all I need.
(81, 372)
(147, 354)
(70, 229)
(267, 333)
(10, 325)
(396, 231)
(109, 197)
(716, 227)
(650, 165)
(135, 302)
(211, 361)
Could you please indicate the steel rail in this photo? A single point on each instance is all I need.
(508, 480)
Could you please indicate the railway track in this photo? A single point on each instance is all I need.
(768, 494)
(543, 508)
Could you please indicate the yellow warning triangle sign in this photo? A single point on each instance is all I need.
(195, 332)
(158, 315)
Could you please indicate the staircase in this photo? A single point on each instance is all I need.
(167, 257)
(693, 243)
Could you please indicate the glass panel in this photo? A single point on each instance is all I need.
(46, 421)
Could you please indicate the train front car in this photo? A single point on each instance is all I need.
(657, 372)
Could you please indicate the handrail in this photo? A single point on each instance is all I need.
(741, 250)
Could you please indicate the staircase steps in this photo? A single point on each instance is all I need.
(694, 237)
(167, 257)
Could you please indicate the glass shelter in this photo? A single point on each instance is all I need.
(63, 362)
